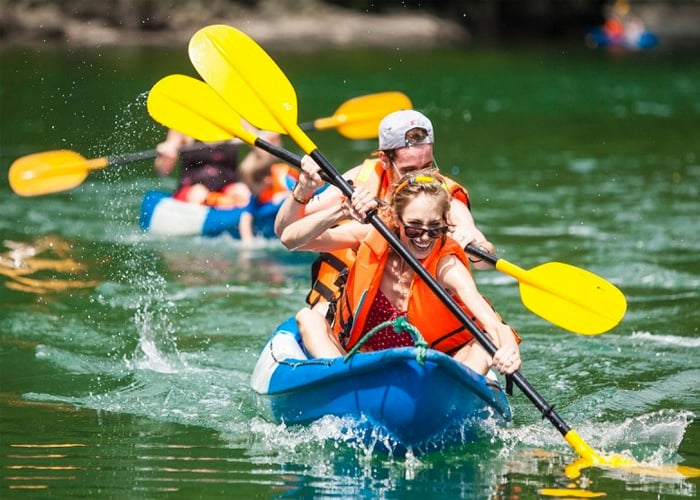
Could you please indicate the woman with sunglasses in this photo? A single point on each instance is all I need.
(381, 286)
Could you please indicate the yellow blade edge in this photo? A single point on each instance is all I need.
(356, 130)
(361, 115)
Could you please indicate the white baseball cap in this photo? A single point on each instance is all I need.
(394, 126)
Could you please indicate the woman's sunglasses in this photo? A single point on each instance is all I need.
(415, 232)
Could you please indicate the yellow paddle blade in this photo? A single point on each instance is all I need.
(589, 458)
(192, 107)
(569, 297)
(221, 54)
(359, 118)
(50, 172)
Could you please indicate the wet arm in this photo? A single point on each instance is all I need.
(302, 201)
(457, 279)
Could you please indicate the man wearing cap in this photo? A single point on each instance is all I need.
(405, 145)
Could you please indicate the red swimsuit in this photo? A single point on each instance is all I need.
(386, 338)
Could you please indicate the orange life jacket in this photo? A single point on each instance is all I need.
(329, 270)
(439, 327)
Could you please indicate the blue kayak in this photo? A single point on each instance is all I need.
(598, 38)
(390, 393)
(164, 215)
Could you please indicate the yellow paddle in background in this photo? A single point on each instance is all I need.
(359, 118)
(547, 290)
(54, 171)
(248, 79)
(60, 170)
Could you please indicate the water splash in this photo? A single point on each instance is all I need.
(652, 438)
(665, 340)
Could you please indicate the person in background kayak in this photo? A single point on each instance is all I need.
(208, 175)
(405, 145)
(381, 286)
(212, 176)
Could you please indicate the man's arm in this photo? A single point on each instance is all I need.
(466, 232)
(303, 201)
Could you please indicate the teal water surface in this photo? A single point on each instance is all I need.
(125, 360)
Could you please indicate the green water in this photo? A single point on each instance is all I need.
(135, 384)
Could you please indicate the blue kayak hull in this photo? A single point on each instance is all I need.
(161, 214)
(389, 393)
(599, 39)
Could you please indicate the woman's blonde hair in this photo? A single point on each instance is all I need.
(426, 181)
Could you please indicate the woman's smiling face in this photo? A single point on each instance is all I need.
(421, 212)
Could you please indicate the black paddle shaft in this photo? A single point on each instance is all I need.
(279, 152)
(132, 157)
(341, 183)
(153, 153)
(283, 154)
(482, 254)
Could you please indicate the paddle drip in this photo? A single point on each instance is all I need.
(399, 325)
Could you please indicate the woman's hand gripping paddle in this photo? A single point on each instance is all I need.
(246, 77)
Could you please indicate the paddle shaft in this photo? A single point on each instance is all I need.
(153, 153)
(308, 126)
(132, 157)
(518, 378)
(482, 254)
(283, 154)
